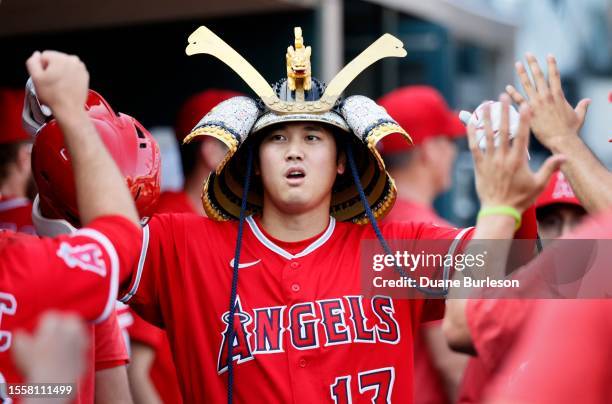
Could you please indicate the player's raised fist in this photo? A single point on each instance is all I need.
(61, 81)
(55, 352)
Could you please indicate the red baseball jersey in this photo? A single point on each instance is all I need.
(110, 349)
(405, 210)
(562, 357)
(304, 330)
(106, 350)
(77, 273)
(125, 318)
(16, 215)
(495, 325)
(175, 202)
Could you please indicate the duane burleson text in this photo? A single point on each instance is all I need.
(425, 282)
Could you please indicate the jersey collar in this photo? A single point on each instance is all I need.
(12, 203)
(284, 253)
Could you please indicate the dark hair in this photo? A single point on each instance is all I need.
(543, 211)
(189, 157)
(8, 155)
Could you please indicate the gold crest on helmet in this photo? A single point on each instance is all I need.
(298, 65)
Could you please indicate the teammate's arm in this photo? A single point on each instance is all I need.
(557, 125)
(62, 82)
(139, 372)
(503, 178)
(112, 386)
(111, 356)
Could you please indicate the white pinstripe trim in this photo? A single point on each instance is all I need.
(451, 251)
(285, 254)
(114, 261)
(141, 261)
(13, 203)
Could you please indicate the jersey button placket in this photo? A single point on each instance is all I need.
(291, 279)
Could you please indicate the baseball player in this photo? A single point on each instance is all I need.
(269, 307)
(79, 272)
(493, 325)
(421, 172)
(556, 124)
(16, 184)
(137, 155)
(106, 377)
(562, 355)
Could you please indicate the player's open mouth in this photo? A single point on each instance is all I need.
(295, 175)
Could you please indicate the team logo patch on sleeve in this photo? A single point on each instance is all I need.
(88, 257)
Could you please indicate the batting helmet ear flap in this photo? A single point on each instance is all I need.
(49, 227)
(34, 114)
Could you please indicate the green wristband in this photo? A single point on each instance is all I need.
(501, 210)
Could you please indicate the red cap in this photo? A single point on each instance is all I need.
(11, 107)
(423, 113)
(198, 105)
(558, 190)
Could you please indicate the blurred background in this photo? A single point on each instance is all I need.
(134, 50)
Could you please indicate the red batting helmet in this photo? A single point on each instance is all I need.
(134, 150)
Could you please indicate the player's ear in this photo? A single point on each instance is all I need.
(341, 163)
(428, 150)
(24, 156)
(212, 152)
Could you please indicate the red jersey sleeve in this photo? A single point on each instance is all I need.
(562, 357)
(494, 325)
(110, 350)
(78, 272)
(158, 259)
